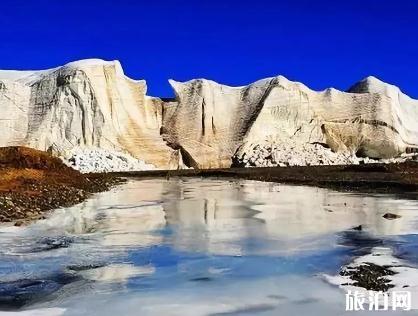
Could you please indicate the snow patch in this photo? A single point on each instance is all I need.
(15, 74)
(36, 312)
(90, 62)
(28, 76)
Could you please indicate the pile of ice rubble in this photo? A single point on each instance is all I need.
(88, 160)
(290, 153)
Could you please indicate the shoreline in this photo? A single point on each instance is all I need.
(33, 201)
(33, 182)
(367, 178)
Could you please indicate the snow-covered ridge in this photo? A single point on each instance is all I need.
(28, 76)
(91, 103)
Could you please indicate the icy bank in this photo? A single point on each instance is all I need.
(100, 160)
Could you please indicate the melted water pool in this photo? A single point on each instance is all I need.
(199, 247)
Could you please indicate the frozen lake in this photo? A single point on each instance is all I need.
(200, 247)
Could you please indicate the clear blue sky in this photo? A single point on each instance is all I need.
(321, 43)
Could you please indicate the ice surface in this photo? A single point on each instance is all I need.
(207, 247)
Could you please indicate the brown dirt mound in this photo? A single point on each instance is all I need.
(23, 157)
(33, 181)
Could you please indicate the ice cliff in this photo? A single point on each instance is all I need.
(91, 104)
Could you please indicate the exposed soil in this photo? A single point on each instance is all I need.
(369, 276)
(385, 178)
(33, 182)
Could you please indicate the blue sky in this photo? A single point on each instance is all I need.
(320, 43)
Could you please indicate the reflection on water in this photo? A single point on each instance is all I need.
(198, 247)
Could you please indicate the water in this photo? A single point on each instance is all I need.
(199, 247)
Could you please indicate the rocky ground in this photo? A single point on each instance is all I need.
(376, 177)
(33, 182)
(369, 276)
(378, 271)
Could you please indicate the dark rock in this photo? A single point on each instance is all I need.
(51, 243)
(85, 267)
(19, 223)
(369, 276)
(201, 279)
(391, 216)
(19, 293)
